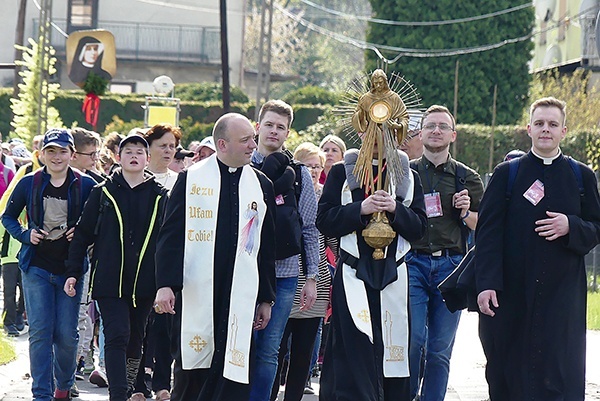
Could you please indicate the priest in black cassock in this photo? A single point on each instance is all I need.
(533, 233)
(215, 252)
(366, 355)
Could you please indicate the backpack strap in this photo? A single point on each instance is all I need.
(460, 177)
(578, 176)
(36, 194)
(513, 168)
(76, 199)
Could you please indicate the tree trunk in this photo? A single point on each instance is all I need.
(19, 40)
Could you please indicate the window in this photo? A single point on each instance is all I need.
(82, 14)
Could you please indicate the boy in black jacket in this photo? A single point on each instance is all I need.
(121, 219)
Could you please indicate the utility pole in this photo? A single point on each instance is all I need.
(225, 57)
(19, 40)
(491, 161)
(455, 111)
(44, 60)
(263, 78)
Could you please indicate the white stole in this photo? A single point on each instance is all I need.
(203, 187)
(394, 297)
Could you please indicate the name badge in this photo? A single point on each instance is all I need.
(535, 193)
(433, 205)
(279, 200)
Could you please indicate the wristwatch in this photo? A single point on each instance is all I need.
(312, 277)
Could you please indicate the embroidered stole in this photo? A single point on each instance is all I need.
(394, 297)
(203, 188)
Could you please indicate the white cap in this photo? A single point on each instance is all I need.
(209, 143)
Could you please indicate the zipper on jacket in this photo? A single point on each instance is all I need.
(121, 236)
(146, 240)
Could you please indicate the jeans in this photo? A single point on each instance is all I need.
(268, 340)
(433, 327)
(53, 335)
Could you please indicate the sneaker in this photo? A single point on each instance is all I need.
(79, 372)
(74, 392)
(98, 377)
(308, 390)
(61, 395)
(12, 331)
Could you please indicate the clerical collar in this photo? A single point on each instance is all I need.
(232, 169)
(375, 162)
(547, 160)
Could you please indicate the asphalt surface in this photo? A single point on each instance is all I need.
(467, 381)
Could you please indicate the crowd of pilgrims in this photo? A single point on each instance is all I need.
(97, 157)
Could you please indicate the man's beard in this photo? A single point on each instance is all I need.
(436, 149)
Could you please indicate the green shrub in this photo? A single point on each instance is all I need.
(208, 91)
(312, 95)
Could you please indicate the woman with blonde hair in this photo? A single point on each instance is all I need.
(334, 148)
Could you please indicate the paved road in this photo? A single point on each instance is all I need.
(467, 382)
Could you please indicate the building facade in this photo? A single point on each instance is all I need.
(179, 38)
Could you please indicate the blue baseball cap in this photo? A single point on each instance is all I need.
(58, 137)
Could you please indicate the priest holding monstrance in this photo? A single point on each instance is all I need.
(374, 203)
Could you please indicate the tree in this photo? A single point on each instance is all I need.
(25, 107)
(306, 56)
(478, 72)
(583, 106)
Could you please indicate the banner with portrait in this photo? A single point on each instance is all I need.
(91, 51)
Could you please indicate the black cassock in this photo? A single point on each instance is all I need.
(535, 344)
(352, 365)
(209, 384)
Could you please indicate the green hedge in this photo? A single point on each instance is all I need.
(128, 108)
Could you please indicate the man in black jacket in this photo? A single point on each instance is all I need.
(121, 219)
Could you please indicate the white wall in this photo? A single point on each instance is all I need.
(177, 12)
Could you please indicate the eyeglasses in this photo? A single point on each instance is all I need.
(443, 127)
(93, 155)
(314, 167)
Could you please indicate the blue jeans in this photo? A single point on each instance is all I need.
(53, 334)
(268, 340)
(433, 327)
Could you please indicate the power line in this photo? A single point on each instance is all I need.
(416, 23)
(411, 52)
(56, 27)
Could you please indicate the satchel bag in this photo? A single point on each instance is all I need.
(458, 289)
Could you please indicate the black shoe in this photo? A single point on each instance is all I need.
(19, 322)
(12, 331)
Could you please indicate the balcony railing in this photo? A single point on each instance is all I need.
(153, 42)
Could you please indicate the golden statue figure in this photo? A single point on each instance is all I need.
(381, 119)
